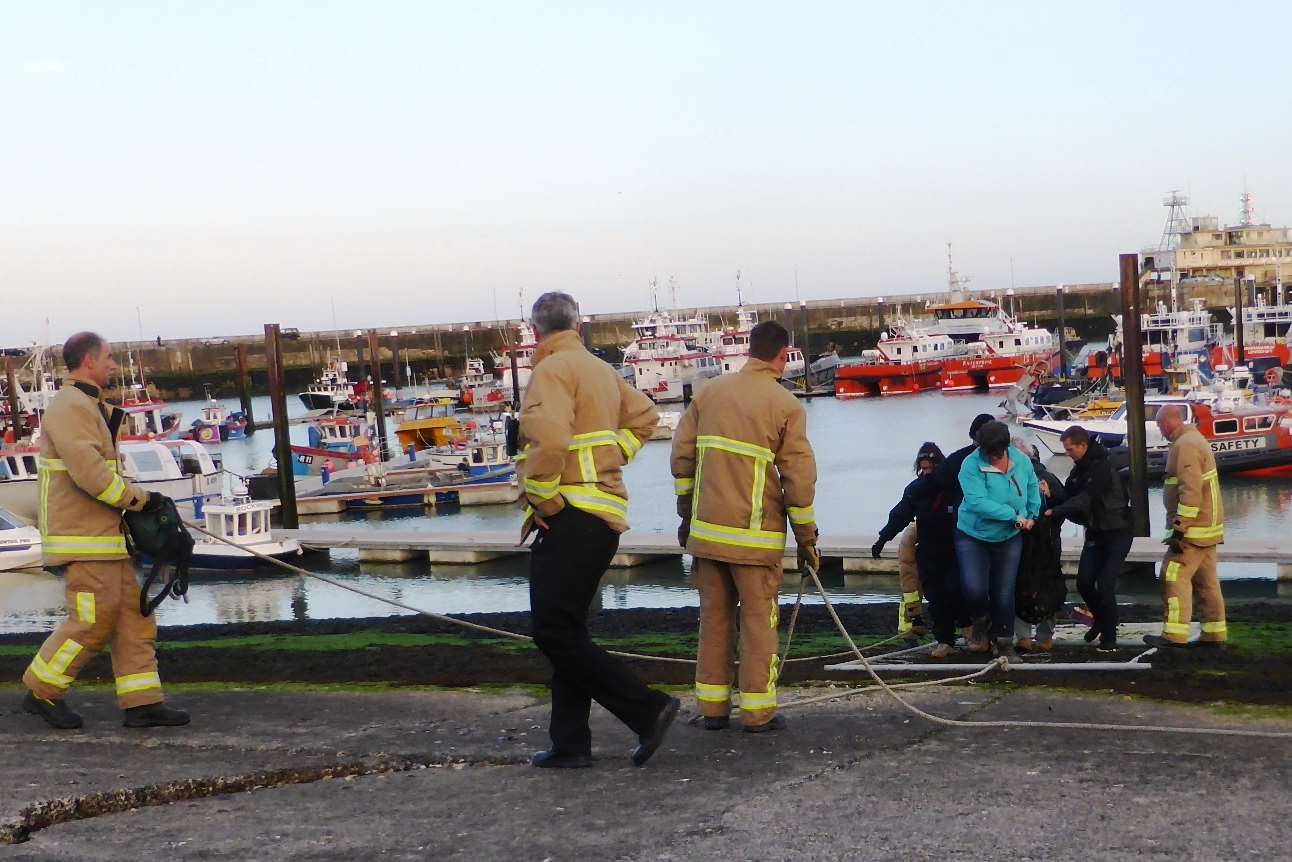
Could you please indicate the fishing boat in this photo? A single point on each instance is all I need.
(217, 424)
(428, 424)
(523, 345)
(731, 347)
(244, 522)
(175, 468)
(20, 546)
(332, 389)
(1267, 336)
(335, 441)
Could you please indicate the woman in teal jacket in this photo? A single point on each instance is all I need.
(1001, 497)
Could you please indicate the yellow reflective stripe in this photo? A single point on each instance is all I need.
(1186, 511)
(594, 438)
(520, 456)
(59, 661)
(1177, 629)
(699, 485)
(543, 490)
(1215, 628)
(42, 672)
(1172, 480)
(801, 514)
(737, 447)
(1172, 572)
(85, 608)
(1210, 474)
(683, 486)
(1173, 612)
(1205, 532)
(775, 618)
(587, 467)
(903, 624)
(712, 693)
(137, 682)
(758, 699)
(71, 546)
(595, 500)
(113, 494)
(911, 598)
(44, 504)
(736, 536)
(55, 464)
(756, 496)
(628, 442)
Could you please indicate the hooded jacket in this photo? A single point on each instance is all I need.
(742, 464)
(1096, 495)
(580, 423)
(994, 500)
(82, 494)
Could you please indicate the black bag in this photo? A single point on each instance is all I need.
(158, 532)
(1041, 588)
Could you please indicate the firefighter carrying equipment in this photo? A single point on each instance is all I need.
(742, 464)
(81, 491)
(157, 531)
(580, 423)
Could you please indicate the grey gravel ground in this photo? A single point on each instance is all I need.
(422, 775)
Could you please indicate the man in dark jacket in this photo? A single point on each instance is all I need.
(1053, 586)
(931, 500)
(1096, 500)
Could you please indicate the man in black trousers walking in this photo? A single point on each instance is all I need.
(580, 423)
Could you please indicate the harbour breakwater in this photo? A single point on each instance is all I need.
(182, 368)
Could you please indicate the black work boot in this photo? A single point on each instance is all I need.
(154, 715)
(1162, 643)
(720, 722)
(650, 741)
(776, 722)
(552, 759)
(55, 712)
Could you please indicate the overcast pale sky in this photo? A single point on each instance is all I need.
(222, 165)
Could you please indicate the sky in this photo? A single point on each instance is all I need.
(201, 169)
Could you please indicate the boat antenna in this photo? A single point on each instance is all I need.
(139, 316)
(336, 331)
(672, 291)
(654, 293)
(739, 299)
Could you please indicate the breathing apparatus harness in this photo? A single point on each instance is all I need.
(158, 531)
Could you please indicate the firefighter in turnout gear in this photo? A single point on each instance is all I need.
(742, 465)
(1195, 520)
(580, 423)
(82, 496)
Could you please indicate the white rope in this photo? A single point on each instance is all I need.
(490, 629)
(1001, 723)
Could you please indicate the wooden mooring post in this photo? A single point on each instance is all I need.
(1133, 372)
(244, 390)
(377, 403)
(282, 437)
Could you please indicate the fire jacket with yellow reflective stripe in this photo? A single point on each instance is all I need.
(580, 423)
(742, 464)
(1192, 492)
(82, 493)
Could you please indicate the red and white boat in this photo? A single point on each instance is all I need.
(524, 346)
(1267, 335)
(145, 419)
(1004, 351)
(732, 347)
(666, 359)
(907, 360)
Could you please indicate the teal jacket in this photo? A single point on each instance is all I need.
(993, 500)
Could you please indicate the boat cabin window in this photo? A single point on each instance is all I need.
(1257, 423)
(477, 455)
(1197, 333)
(1225, 426)
(146, 461)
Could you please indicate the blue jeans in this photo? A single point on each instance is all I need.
(988, 573)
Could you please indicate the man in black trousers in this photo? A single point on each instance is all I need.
(580, 423)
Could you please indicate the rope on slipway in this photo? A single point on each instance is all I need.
(1003, 664)
(502, 633)
(889, 689)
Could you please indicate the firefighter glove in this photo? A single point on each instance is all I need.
(683, 532)
(877, 549)
(1173, 540)
(809, 556)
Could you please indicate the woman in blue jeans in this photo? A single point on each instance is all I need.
(1001, 497)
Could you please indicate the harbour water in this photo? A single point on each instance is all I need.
(864, 452)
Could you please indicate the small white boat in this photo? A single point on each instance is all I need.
(19, 543)
(246, 523)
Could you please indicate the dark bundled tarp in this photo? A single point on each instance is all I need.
(1041, 589)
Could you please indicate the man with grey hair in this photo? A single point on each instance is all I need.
(580, 423)
(1195, 520)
